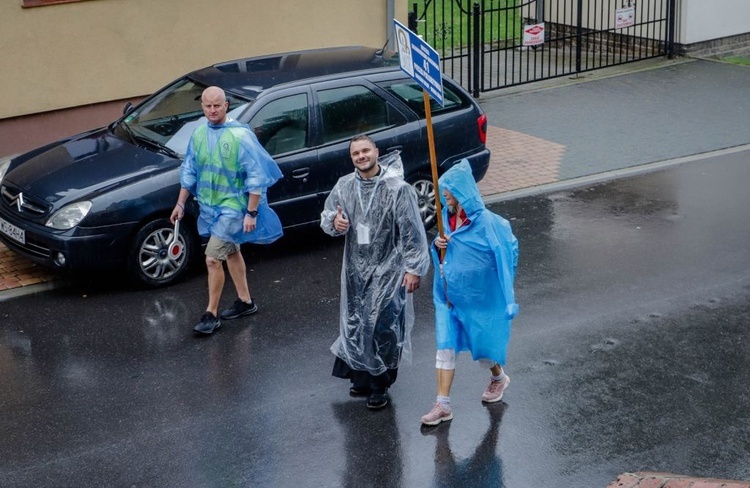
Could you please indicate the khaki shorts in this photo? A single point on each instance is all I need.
(218, 249)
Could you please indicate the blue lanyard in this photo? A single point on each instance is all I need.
(372, 197)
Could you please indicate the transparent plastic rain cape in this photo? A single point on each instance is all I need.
(376, 312)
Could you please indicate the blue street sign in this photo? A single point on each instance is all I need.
(420, 61)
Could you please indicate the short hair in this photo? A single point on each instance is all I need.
(362, 137)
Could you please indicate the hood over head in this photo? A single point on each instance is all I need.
(392, 164)
(459, 180)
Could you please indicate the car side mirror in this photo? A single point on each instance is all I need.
(127, 108)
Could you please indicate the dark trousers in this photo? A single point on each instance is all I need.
(364, 379)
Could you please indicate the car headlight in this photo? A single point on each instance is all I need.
(4, 163)
(69, 216)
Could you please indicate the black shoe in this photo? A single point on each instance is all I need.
(359, 391)
(238, 309)
(209, 322)
(378, 399)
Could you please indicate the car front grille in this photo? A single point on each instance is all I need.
(30, 249)
(25, 205)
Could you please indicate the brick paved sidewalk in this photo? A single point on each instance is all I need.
(17, 272)
(667, 480)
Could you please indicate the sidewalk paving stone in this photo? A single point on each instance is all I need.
(669, 480)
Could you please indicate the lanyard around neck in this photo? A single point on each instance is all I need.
(366, 210)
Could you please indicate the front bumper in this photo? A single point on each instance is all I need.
(81, 248)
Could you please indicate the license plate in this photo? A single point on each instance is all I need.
(12, 231)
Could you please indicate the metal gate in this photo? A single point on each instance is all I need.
(490, 44)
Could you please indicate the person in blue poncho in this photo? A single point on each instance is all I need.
(228, 172)
(472, 289)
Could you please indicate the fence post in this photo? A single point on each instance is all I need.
(579, 36)
(476, 50)
(539, 12)
(412, 20)
(671, 25)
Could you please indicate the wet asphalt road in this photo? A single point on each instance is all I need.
(631, 352)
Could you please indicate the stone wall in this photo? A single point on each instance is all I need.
(738, 45)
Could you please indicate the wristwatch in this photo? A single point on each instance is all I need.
(252, 213)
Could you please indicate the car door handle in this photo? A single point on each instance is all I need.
(301, 173)
(394, 148)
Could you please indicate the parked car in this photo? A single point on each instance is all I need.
(102, 199)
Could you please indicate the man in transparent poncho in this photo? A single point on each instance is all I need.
(385, 254)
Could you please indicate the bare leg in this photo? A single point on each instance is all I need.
(238, 272)
(215, 284)
(445, 381)
(496, 370)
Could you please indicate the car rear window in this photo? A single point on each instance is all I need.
(411, 94)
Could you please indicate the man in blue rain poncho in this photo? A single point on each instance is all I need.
(228, 172)
(385, 254)
(473, 288)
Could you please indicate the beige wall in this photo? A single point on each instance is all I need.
(73, 54)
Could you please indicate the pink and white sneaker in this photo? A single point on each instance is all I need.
(439, 413)
(495, 390)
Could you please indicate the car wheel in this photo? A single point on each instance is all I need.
(149, 262)
(425, 199)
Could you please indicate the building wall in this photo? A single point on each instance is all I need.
(702, 20)
(97, 51)
(73, 54)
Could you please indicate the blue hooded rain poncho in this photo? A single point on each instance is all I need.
(223, 163)
(473, 294)
(377, 313)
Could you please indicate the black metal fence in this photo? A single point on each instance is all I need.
(483, 45)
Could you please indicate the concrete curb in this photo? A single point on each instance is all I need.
(607, 176)
(31, 289)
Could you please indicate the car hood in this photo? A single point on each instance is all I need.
(84, 166)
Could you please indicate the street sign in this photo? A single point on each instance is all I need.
(420, 61)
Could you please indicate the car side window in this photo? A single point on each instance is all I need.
(352, 110)
(281, 125)
(411, 94)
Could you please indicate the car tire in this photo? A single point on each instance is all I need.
(425, 190)
(149, 262)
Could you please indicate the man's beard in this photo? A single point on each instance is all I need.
(368, 168)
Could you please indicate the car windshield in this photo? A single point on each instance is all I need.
(170, 117)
